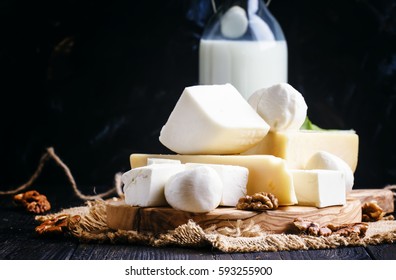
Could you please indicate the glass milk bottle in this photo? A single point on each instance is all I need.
(243, 44)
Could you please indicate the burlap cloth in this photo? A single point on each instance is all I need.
(92, 227)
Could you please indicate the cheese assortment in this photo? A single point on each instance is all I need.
(226, 147)
(266, 172)
(319, 188)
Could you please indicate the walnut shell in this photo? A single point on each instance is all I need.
(258, 202)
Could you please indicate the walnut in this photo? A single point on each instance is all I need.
(313, 229)
(302, 224)
(349, 229)
(258, 202)
(33, 201)
(58, 224)
(324, 231)
(310, 228)
(372, 212)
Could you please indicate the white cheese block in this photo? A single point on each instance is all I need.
(196, 190)
(325, 160)
(319, 188)
(234, 179)
(162, 160)
(212, 119)
(266, 173)
(144, 186)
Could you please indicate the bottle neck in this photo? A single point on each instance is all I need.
(250, 6)
(243, 20)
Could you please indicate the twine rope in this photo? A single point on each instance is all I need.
(393, 189)
(50, 154)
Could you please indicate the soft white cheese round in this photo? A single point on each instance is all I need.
(326, 160)
(281, 106)
(196, 190)
(234, 22)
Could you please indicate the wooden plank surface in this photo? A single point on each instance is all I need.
(345, 253)
(382, 251)
(18, 239)
(342, 253)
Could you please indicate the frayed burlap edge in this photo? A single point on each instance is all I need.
(92, 227)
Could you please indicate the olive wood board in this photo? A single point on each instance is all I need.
(161, 219)
(383, 197)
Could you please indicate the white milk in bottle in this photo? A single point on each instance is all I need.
(243, 45)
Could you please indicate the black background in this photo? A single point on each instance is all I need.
(96, 80)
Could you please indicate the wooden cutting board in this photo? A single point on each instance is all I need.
(161, 219)
(383, 197)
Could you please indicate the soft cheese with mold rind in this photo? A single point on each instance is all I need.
(319, 188)
(266, 173)
(297, 147)
(144, 186)
(212, 119)
(234, 179)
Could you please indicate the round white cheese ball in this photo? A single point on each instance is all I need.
(197, 190)
(234, 22)
(281, 106)
(326, 160)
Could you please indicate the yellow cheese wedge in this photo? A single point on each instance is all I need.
(266, 173)
(297, 147)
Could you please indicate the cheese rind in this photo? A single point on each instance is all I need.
(266, 173)
(212, 119)
(234, 179)
(297, 147)
(144, 186)
(319, 188)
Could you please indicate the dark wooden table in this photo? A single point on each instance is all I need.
(18, 241)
